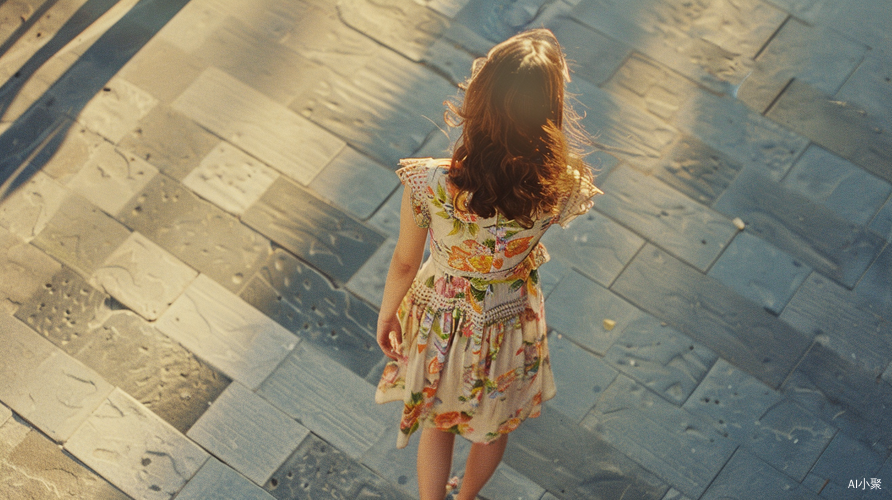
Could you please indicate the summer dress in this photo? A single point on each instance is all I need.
(474, 353)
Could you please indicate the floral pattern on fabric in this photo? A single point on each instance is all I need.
(474, 354)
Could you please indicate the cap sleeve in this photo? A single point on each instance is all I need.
(414, 174)
(579, 200)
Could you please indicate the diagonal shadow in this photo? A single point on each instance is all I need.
(32, 140)
(25, 26)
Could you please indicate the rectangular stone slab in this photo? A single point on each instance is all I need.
(23, 268)
(44, 385)
(702, 308)
(831, 245)
(110, 178)
(217, 480)
(246, 432)
(747, 476)
(322, 235)
(580, 377)
(135, 450)
(227, 332)
(404, 26)
(28, 210)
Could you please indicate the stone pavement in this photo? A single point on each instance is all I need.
(199, 209)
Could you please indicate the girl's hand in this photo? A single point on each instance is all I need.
(390, 336)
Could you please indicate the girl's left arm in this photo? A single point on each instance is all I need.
(403, 268)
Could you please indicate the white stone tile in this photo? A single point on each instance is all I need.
(135, 450)
(508, 483)
(30, 208)
(246, 432)
(368, 282)
(5, 413)
(254, 122)
(44, 385)
(143, 276)
(333, 401)
(116, 110)
(355, 182)
(225, 331)
(23, 268)
(230, 179)
(111, 177)
(218, 481)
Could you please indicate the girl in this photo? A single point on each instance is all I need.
(467, 332)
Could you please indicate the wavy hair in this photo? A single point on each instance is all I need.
(519, 135)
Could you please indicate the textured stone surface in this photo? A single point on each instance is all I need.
(837, 126)
(310, 388)
(135, 450)
(228, 333)
(143, 276)
(110, 178)
(259, 125)
(230, 179)
(355, 183)
(43, 384)
(580, 377)
(368, 282)
(807, 231)
(196, 232)
(319, 470)
(842, 322)
(36, 468)
(305, 302)
(508, 483)
(80, 235)
(587, 467)
(760, 271)
(116, 110)
(594, 245)
(660, 358)
(247, 433)
(76, 148)
(169, 141)
(694, 233)
(162, 69)
(590, 54)
(651, 86)
(23, 268)
(882, 223)
(699, 306)
(844, 188)
(324, 236)
(28, 210)
(876, 287)
(403, 25)
(681, 448)
(868, 87)
(217, 480)
(746, 476)
(578, 307)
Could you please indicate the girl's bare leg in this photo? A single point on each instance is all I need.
(482, 462)
(434, 463)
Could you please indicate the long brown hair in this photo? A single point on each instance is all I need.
(518, 133)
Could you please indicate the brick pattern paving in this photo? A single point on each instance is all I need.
(199, 211)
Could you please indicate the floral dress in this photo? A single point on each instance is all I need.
(474, 358)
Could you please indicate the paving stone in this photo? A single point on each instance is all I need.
(44, 385)
(135, 450)
(807, 231)
(216, 480)
(822, 57)
(594, 245)
(887, 375)
(660, 358)
(681, 448)
(875, 285)
(192, 25)
(23, 268)
(38, 469)
(5, 414)
(844, 394)
(64, 161)
(480, 25)
(869, 88)
(589, 53)
(170, 141)
(116, 110)
(322, 235)
(196, 232)
(746, 476)
(405, 26)
(355, 183)
(247, 433)
(844, 188)
(228, 333)
(846, 459)
(580, 376)
(674, 494)
(790, 439)
(760, 271)
(387, 218)
(587, 467)
(449, 59)
(842, 322)
(694, 233)
(162, 69)
(578, 308)
(702, 308)
(837, 126)
(230, 179)
(305, 302)
(28, 210)
(259, 125)
(651, 86)
(319, 470)
(508, 483)
(110, 178)
(80, 235)
(273, 19)
(368, 282)
(864, 22)
(882, 223)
